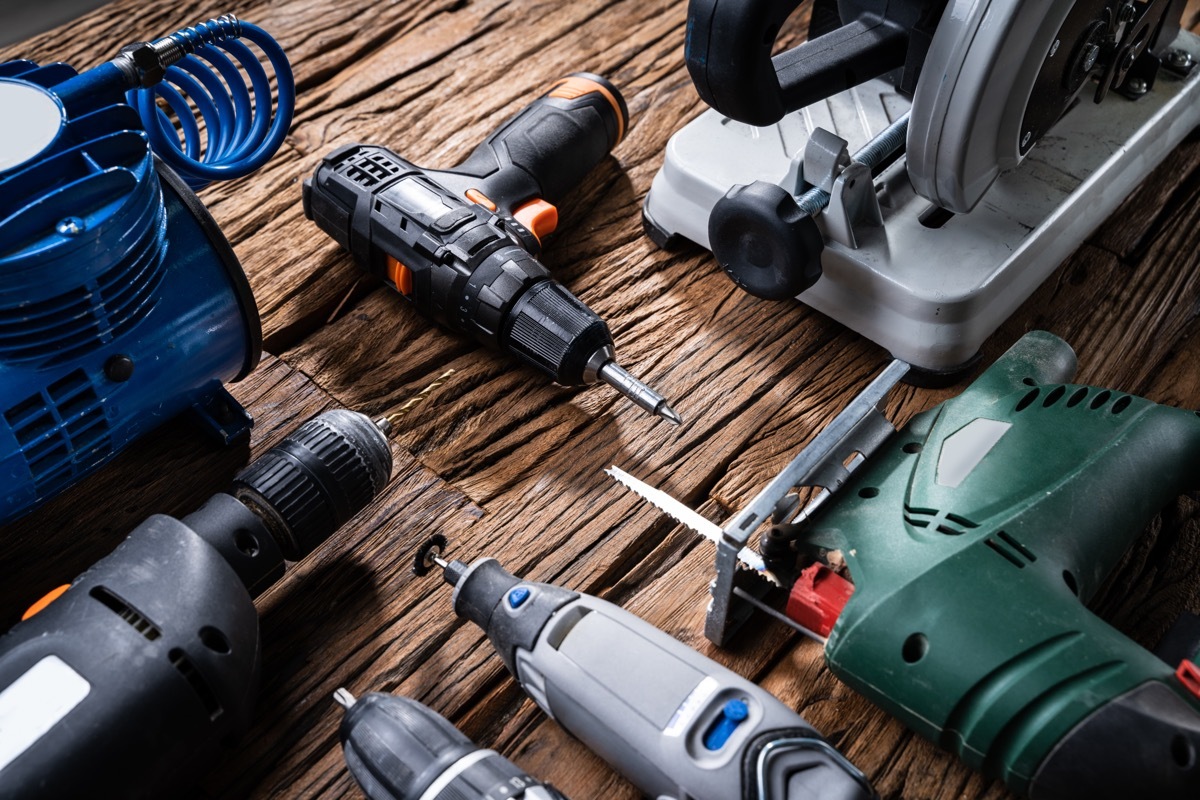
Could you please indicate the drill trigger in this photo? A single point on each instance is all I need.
(539, 217)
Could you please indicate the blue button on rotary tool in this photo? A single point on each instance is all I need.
(733, 714)
(517, 596)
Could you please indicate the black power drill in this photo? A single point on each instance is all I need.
(126, 682)
(462, 244)
(399, 749)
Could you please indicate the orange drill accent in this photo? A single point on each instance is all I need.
(400, 275)
(538, 216)
(575, 86)
(476, 196)
(49, 598)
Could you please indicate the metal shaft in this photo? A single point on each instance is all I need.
(642, 395)
(344, 698)
(871, 155)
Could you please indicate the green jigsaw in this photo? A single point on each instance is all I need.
(974, 537)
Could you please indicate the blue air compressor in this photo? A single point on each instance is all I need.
(122, 304)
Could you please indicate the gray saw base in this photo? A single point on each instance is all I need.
(932, 295)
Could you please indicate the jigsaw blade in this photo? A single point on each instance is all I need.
(681, 513)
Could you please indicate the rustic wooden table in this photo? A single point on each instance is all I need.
(509, 466)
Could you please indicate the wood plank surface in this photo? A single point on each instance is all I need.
(507, 465)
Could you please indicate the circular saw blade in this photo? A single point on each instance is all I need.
(992, 85)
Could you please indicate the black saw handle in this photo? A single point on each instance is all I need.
(729, 42)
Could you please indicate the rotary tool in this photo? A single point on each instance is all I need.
(973, 539)
(122, 304)
(925, 165)
(676, 724)
(399, 749)
(126, 682)
(461, 244)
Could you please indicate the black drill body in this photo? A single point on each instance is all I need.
(128, 683)
(468, 268)
(399, 749)
(462, 244)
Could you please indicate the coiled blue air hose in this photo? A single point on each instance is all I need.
(241, 131)
(121, 303)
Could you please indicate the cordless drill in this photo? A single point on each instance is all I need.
(676, 724)
(127, 682)
(399, 749)
(462, 244)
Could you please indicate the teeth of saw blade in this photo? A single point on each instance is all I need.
(747, 558)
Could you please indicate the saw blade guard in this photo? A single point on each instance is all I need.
(1001, 73)
(968, 108)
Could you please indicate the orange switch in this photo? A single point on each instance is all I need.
(401, 276)
(538, 216)
(476, 196)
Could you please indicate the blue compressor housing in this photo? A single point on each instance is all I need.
(121, 303)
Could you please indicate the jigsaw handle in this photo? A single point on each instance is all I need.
(1142, 741)
(546, 149)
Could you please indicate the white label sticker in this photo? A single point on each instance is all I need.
(34, 702)
(690, 706)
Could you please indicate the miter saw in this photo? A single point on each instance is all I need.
(925, 164)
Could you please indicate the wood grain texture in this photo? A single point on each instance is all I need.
(509, 466)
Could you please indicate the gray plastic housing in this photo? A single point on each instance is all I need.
(644, 701)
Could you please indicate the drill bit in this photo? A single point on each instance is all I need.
(642, 395)
(390, 422)
(344, 698)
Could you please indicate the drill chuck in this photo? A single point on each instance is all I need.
(399, 749)
(316, 479)
(553, 330)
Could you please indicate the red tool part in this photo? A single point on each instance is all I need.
(817, 598)
(1189, 675)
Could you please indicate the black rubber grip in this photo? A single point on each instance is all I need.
(550, 146)
(801, 764)
(1140, 744)
(316, 479)
(728, 53)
